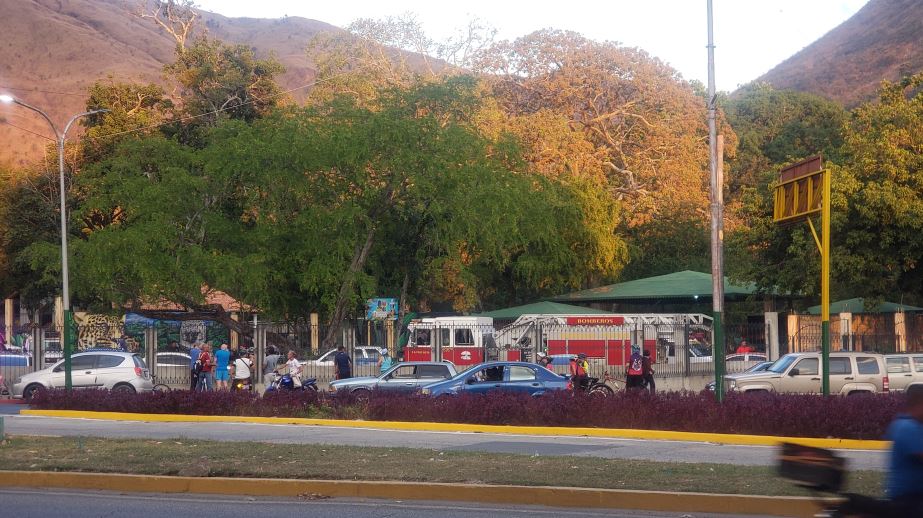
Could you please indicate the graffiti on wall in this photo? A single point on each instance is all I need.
(126, 332)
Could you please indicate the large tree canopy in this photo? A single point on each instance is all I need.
(314, 209)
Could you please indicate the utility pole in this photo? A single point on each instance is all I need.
(717, 220)
(60, 140)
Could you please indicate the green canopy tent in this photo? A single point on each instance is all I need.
(541, 308)
(858, 306)
(679, 285)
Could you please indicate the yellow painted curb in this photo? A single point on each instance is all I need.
(612, 433)
(506, 495)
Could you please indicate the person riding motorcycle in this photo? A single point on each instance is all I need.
(578, 371)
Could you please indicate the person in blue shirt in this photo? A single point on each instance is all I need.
(222, 359)
(905, 467)
(384, 361)
(194, 356)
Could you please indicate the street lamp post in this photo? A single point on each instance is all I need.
(65, 276)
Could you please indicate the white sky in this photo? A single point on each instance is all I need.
(751, 36)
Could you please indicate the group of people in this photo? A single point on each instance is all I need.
(214, 370)
(639, 374)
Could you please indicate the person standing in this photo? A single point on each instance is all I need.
(384, 361)
(194, 365)
(294, 368)
(271, 361)
(222, 360)
(206, 380)
(243, 367)
(635, 374)
(343, 364)
(545, 361)
(648, 368)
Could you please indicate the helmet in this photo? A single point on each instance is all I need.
(541, 356)
(582, 356)
(384, 351)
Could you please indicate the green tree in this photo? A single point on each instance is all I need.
(779, 126)
(225, 81)
(876, 208)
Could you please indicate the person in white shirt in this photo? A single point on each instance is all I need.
(243, 367)
(294, 368)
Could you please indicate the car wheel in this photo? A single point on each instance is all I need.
(124, 388)
(30, 391)
(361, 395)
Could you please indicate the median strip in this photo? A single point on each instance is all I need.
(505, 494)
(612, 433)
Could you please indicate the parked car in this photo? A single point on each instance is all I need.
(850, 373)
(114, 370)
(511, 376)
(402, 377)
(759, 367)
(904, 370)
(15, 360)
(363, 354)
(745, 357)
(174, 360)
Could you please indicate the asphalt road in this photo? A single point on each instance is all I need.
(86, 504)
(670, 451)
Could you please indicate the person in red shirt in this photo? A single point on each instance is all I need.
(207, 373)
(744, 348)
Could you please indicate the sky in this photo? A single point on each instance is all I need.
(751, 36)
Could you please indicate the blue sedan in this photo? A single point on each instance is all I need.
(527, 378)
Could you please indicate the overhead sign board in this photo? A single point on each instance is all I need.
(800, 191)
(595, 321)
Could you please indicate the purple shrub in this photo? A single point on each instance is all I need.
(855, 417)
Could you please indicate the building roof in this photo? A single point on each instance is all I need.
(685, 284)
(857, 305)
(541, 308)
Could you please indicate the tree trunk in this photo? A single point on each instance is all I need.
(360, 255)
(403, 308)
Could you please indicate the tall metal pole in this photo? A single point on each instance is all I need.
(717, 217)
(825, 286)
(60, 138)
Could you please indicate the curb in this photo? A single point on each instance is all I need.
(500, 494)
(611, 433)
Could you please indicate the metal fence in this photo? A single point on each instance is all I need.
(676, 350)
(810, 340)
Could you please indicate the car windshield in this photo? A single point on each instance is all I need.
(781, 364)
(699, 351)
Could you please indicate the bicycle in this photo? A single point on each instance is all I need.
(160, 387)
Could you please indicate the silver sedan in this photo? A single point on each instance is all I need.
(403, 377)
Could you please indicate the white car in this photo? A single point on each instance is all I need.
(116, 370)
(362, 355)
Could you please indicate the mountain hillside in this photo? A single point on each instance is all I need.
(884, 40)
(54, 49)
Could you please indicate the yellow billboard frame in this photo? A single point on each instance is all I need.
(798, 198)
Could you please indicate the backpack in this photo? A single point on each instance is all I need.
(635, 367)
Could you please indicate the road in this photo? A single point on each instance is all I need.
(86, 504)
(668, 451)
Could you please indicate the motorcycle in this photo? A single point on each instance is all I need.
(822, 472)
(285, 382)
(242, 384)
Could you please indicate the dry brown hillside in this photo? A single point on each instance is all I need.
(884, 40)
(52, 50)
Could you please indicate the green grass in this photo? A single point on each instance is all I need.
(190, 457)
